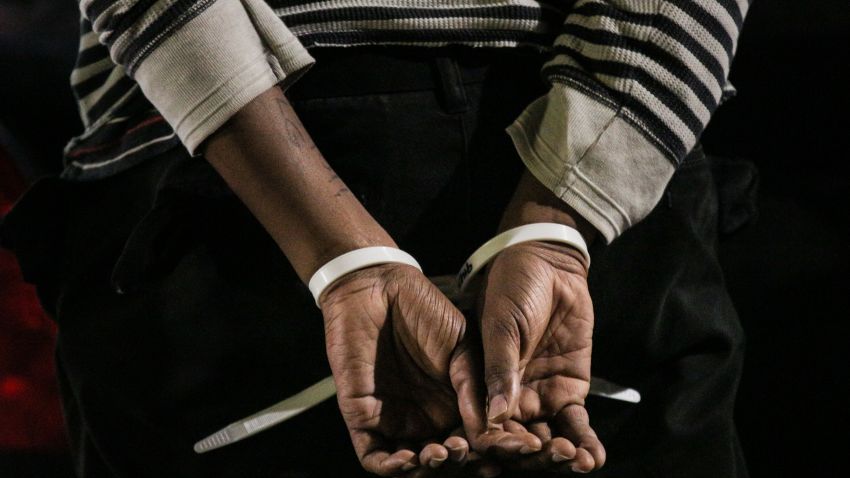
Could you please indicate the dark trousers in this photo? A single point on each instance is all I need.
(177, 313)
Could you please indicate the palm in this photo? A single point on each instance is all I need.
(556, 372)
(536, 313)
(391, 338)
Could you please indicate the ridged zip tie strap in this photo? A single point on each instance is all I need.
(541, 231)
(355, 260)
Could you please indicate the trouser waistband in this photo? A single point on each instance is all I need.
(376, 69)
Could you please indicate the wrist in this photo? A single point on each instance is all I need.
(326, 246)
(535, 203)
(369, 262)
(539, 235)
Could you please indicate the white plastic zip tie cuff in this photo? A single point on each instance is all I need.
(355, 260)
(280, 412)
(541, 231)
(324, 389)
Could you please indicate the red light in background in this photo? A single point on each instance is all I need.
(12, 387)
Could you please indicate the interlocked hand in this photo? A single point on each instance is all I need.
(394, 342)
(536, 327)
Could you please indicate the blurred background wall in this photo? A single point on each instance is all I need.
(788, 271)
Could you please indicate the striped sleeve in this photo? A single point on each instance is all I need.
(198, 61)
(633, 83)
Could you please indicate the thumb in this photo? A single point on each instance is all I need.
(500, 337)
(470, 394)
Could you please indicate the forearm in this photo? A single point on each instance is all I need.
(533, 202)
(271, 163)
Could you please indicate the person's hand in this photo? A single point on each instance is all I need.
(536, 321)
(394, 342)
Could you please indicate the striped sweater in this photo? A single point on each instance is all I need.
(633, 83)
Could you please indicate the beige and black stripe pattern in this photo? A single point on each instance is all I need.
(664, 63)
(128, 30)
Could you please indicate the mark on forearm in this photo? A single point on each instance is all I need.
(299, 139)
(293, 132)
(333, 176)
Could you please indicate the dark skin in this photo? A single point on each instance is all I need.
(536, 320)
(407, 369)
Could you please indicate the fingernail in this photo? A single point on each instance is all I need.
(436, 462)
(458, 453)
(558, 458)
(498, 407)
(408, 466)
(576, 469)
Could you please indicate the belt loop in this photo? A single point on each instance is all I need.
(451, 82)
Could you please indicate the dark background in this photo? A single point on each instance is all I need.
(787, 271)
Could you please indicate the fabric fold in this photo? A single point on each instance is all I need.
(216, 63)
(586, 153)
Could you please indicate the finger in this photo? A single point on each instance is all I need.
(574, 424)
(555, 453)
(532, 441)
(385, 464)
(458, 449)
(483, 437)
(513, 426)
(502, 444)
(442, 460)
(375, 455)
(500, 336)
(433, 455)
(541, 430)
(561, 450)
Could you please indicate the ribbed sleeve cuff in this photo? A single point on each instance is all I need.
(217, 63)
(586, 153)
